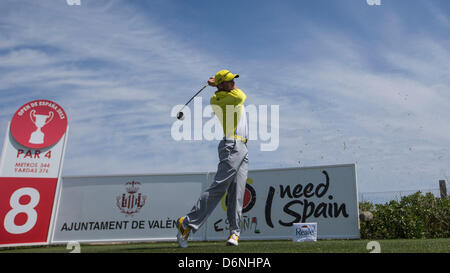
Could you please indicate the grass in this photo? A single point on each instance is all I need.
(321, 246)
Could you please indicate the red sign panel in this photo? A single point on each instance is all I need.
(26, 206)
(39, 124)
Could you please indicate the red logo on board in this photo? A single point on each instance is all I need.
(39, 124)
(133, 201)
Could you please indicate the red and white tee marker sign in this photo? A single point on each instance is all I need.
(30, 168)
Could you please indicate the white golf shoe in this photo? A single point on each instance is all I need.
(183, 234)
(233, 240)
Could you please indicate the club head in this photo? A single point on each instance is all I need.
(180, 116)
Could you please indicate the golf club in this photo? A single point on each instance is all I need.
(180, 114)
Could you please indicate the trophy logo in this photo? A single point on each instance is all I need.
(39, 124)
(37, 137)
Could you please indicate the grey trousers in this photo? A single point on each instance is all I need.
(231, 176)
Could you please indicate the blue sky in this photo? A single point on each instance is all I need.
(355, 83)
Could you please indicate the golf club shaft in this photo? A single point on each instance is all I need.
(193, 97)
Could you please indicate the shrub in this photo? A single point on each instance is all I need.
(415, 216)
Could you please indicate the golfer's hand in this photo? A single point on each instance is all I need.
(211, 82)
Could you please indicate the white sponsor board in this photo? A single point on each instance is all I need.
(326, 195)
(125, 208)
(112, 208)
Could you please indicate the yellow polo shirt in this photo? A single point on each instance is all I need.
(235, 100)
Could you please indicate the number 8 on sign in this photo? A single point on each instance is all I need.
(17, 208)
(26, 206)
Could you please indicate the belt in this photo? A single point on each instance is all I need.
(243, 139)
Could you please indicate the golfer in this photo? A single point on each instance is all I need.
(228, 105)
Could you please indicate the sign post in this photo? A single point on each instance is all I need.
(30, 171)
